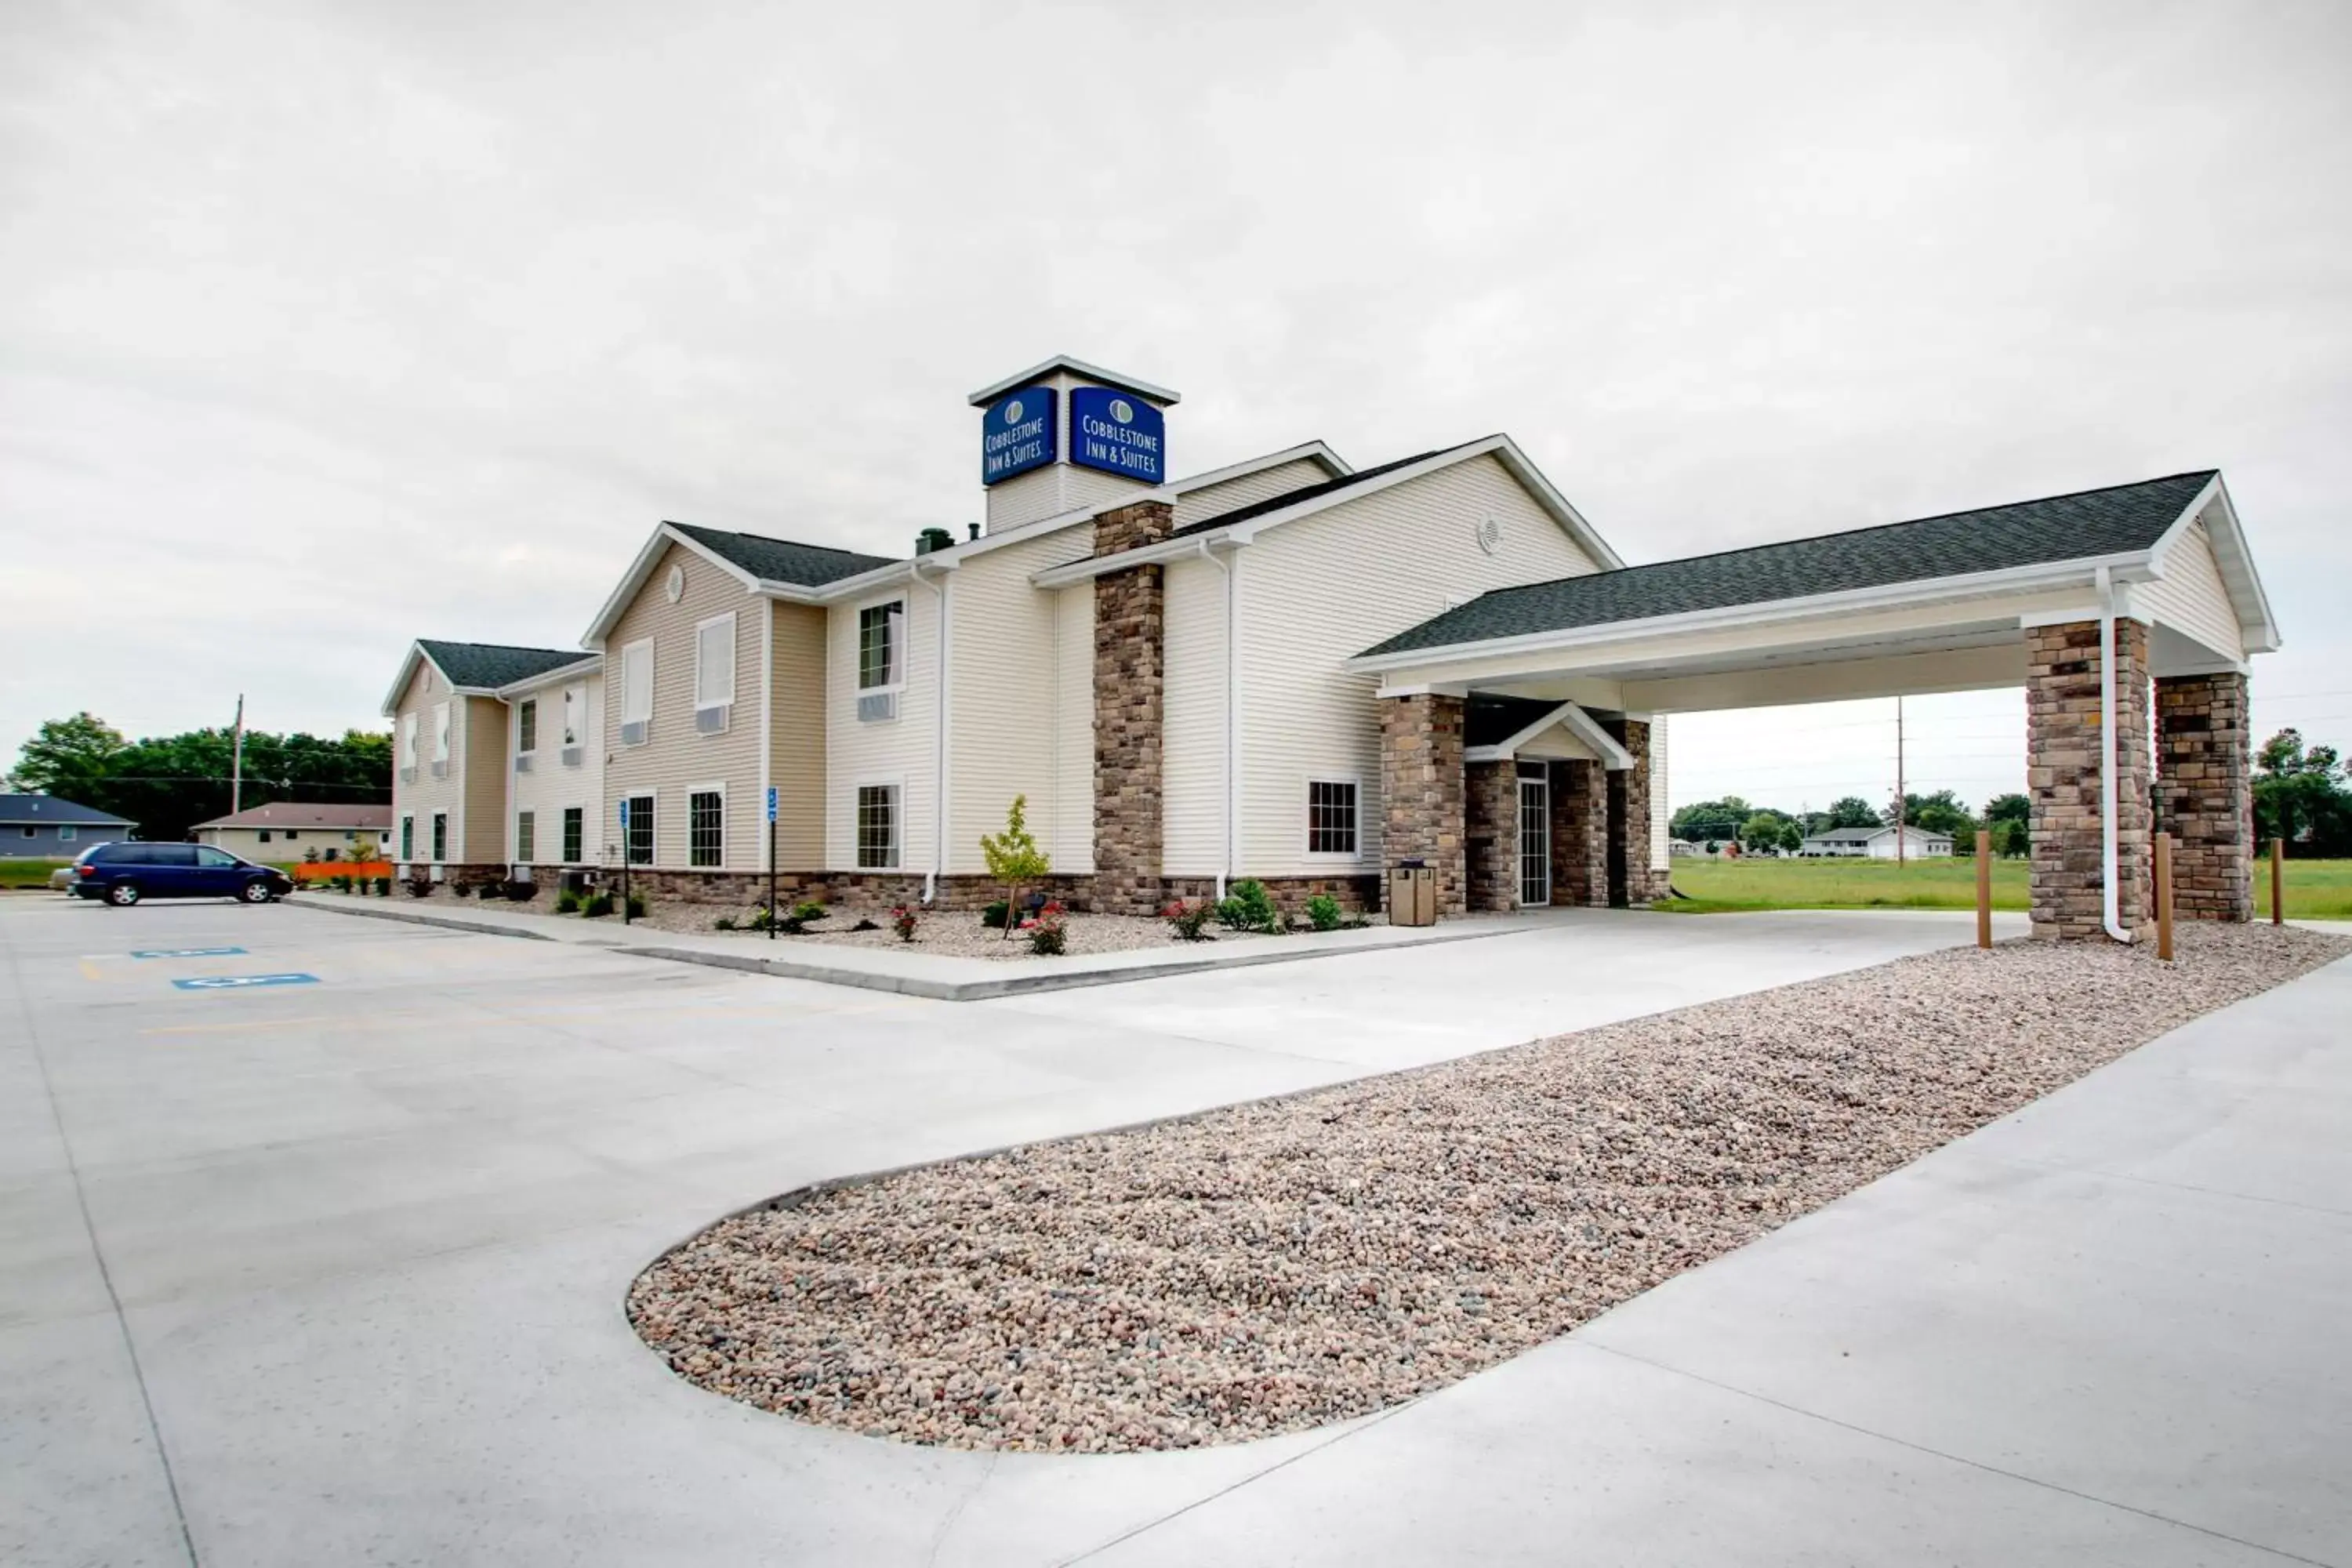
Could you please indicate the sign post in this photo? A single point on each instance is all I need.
(771, 862)
(1984, 886)
(624, 860)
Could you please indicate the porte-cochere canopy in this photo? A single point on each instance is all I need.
(2070, 596)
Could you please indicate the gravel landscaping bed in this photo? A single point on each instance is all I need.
(950, 934)
(1276, 1266)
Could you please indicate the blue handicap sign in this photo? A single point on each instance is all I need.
(625, 816)
(772, 802)
(243, 982)
(187, 953)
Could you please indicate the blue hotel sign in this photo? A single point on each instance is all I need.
(1119, 433)
(1018, 435)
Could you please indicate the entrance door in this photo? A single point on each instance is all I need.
(1535, 839)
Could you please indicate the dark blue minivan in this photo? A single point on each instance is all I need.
(122, 874)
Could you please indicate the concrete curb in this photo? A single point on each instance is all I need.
(915, 985)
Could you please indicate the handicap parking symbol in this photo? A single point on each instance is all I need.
(187, 953)
(243, 982)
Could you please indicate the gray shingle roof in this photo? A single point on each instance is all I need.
(487, 664)
(781, 559)
(1306, 492)
(2118, 519)
(35, 810)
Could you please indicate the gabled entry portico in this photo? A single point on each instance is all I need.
(2083, 600)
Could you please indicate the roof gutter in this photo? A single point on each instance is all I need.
(1226, 867)
(2110, 832)
(939, 730)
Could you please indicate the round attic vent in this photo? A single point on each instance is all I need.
(675, 585)
(1490, 534)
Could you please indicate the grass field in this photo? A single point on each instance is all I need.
(2315, 889)
(28, 873)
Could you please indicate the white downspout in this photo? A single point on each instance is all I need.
(1232, 713)
(938, 744)
(2110, 832)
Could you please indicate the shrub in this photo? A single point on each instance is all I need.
(1323, 912)
(1247, 908)
(598, 906)
(636, 906)
(420, 887)
(567, 902)
(724, 922)
(903, 921)
(522, 892)
(1012, 855)
(1046, 936)
(383, 887)
(341, 884)
(1190, 921)
(994, 915)
(808, 910)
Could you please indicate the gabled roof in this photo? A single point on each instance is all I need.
(51, 811)
(1864, 835)
(783, 560)
(2117, 520)
(1328, 490)
(479, 669)
(281, 814)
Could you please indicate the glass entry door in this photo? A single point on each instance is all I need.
(1535, 838)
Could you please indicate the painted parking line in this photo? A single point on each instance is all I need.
(243, 982)
(187, 953)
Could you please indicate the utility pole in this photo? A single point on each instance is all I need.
(1902, 804)
(236, 760)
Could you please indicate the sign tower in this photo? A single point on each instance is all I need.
(1064, 435)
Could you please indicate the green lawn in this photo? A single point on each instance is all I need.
(28, 873)
(2315, 889)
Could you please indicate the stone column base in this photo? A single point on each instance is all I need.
(2064, 744)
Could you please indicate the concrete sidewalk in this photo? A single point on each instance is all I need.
(915, 973)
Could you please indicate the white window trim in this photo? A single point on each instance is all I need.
(520, 858)
(65, 834)
(1306, 834)
(896, 783)
(533, 749)
(646, 717)
(437, 855)
(719, 788)
(652, 792)
(702, 704)
(586, 817)
(898, 655)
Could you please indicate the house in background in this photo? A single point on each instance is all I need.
(1876, 843)
(288, 830)
(44, 827)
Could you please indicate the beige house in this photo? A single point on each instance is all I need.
(289, 831)
(1285, 668)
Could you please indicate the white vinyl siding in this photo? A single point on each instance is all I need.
(548, 788)
(421, 794)
(1320, 590)
(1661, 814)
(2190, 596)
(714, 662)
(1074, 729)
(857, 753)
(1244, 490)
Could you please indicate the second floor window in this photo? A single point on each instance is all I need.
(527, 726)
(881, 654)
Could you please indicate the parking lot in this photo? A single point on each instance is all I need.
(354, 1245)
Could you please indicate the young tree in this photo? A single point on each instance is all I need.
(2300, 795)
(1014, 860)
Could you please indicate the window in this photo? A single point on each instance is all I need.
(877, 827)
(573, 825)
(408, 745)
(32, 831)
(640, 847)
(64, 834)
(526, 836)
(1331, 816)
(263, 835)
(408, 838)
(527, 726)
(291, 834)
(440, 734)
(714, 668)
(881, 657)
(706, 810)
(208, 855)
(440, 835)
(575, 713)
(636, 693)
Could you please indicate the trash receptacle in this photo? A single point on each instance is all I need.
(1413, 894)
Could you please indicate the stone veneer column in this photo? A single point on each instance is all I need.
(1421, 786)
(1131, 649)
(1628, 830)
(2202, 747)
(1491, 809)
(1580, 835)
(2063, 743)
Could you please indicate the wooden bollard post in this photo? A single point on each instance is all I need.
(2278, 881)
(2164, 897)
(1984, 886)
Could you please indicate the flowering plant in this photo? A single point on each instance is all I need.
(903, 922)
(1046, 936)
(1190, 921)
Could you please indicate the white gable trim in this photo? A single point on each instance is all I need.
(1059, 363)
(1577, 722)
(586, 664)
(632, 581)
(1500, 447)
(417, 656)
(2248, 599)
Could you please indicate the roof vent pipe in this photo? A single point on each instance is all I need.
(932, 539)
(976, 529)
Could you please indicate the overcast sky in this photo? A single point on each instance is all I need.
(326, 326)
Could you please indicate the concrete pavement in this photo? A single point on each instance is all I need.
(361, 1246)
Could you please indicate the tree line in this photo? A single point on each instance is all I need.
(168, 783)
(2302, 793)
